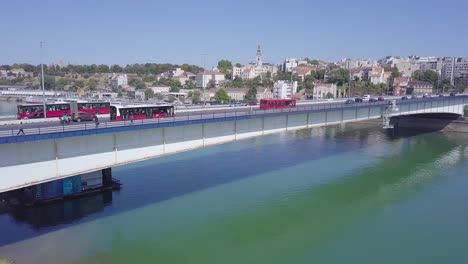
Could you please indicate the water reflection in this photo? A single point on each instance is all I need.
(62, 212)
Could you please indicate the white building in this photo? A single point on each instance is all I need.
(160, 89)
(321, 90)
(264, 94)
(290, 63)
(202, 79)
(284, 89)
(237, 94)
(116, 80)
(455, 68)
(377, 75)
(253, 70)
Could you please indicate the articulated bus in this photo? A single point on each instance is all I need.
(125, 112)
(277, 103)
(57, 109)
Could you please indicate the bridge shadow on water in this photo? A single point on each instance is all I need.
(168, 177)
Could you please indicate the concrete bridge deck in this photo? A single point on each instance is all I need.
(58, 152)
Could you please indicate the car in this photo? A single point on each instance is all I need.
(349, 101)
(452, 94)
(413, 97)
(441, 95)
(35, 115)
(82, 116)
(366, 97)
(404, 98)
(358, 100)
(252, 103)
(372, 100)
(381, 98)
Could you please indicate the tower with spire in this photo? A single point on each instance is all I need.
(259, 57)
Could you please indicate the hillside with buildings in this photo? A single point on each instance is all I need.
(299, 78)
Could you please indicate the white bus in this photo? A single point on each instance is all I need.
(127, 112)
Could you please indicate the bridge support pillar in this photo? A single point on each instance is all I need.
(107, 177)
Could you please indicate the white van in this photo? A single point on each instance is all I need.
(366, 98)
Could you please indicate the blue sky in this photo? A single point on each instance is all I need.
(138, 31)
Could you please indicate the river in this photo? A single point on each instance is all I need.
(342, 194)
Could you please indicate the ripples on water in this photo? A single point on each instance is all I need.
(305, 196)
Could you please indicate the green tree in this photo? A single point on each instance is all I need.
(61, 83)
(329, 95)
(251, 94)
(175, 89)
(224, 66)
(189, 84)
(211, 84)
(116, 68)
(222, 96)
(92, 84)
(49, 82)
(149, 93)
(196, 97)
(238, 65)
(339, 76)
(102, 68)
(395, 73)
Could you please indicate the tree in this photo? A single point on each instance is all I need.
(116, 68)
(196, 97)
(189, 84)
(224, 66)
(222, 96)
(149, 93)
(92, 84)
(61, 83)
(49, 82)
(329, 95)
(339, 76)
(251, 95)
(428, 76)
(103, 68)
(238, 65)
(395, 73)
(175, 89)
(211, 84)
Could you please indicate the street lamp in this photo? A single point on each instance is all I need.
(43, 87)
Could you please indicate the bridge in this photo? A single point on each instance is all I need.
(53, 152)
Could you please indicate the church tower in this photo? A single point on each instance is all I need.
(259, 56)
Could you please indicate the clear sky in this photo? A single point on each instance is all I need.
(138, 31)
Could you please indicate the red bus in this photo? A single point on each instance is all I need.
(101, 108)
(37, 110)
(125, 112)
(277, 103)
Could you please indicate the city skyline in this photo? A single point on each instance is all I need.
(204, 32)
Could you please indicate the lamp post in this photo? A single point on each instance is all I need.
(203, 77)
(43, 87)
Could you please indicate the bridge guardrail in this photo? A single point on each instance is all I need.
(202, 116)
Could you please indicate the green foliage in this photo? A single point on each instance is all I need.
(175, 89)
(92, 84)
(222, 96)
(170, 82)
(395, 73)
(224, 66)
(211, 84)
(49, 82)
(149, 94)
(116, 68)
(465, 110)
(339, 76)
(329, 95)
(61, 83)
(428, 76)
(137, 83)
(251, 95)
(196, 97)
(238, 65)
(283, 76)
(189, 84)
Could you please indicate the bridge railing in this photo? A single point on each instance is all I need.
(35, 130)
